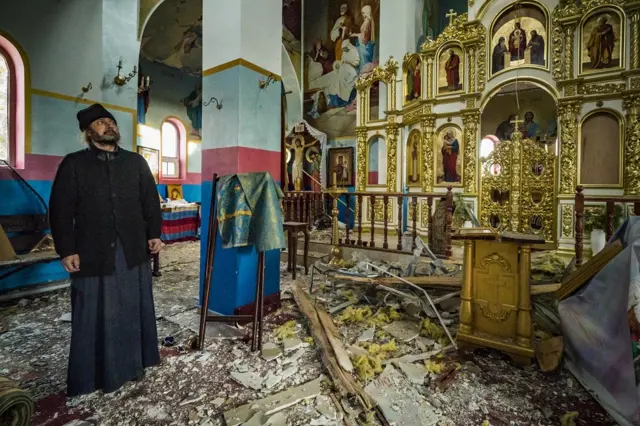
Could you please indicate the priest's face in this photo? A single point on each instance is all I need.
(104, 131)
(343, 9)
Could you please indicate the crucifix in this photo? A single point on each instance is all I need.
(516, 121)
(452, 14)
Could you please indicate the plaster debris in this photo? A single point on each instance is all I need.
(193, 400)
(415, 373)
(367, 335)
(400, 403)
(274, 403)
(270, 351)
(295, 357)
(248, 379)
(291, 344)
(65, 317)
(403, 331)
(325, 407)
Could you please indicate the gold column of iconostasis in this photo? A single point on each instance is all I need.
(509, 71)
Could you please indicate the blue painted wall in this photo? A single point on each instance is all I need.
(68, 44)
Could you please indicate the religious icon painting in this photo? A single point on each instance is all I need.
(448, 156)
(152, 156)
(450, 70)
(340, 167)
(413, 156)
(519, 38)
(601, 41)
(412, 67)
(174, 192)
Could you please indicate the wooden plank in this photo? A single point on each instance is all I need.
(544, 288)
(344, 383)
(588, 270)
(334, 339)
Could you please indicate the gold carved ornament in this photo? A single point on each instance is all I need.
(567, 220)
(568, 116)
(361, 159)
(631, 104)
(470, 119)
(538, 194)
(427, 125)
(386, 74)
(565, 18)
(496, 180)
(392, 154)
(472, 35)
(494, 310)
(517, 188)
(601, 89)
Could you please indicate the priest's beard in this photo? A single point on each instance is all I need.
(110, 138)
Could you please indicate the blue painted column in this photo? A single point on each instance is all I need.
(242, 47)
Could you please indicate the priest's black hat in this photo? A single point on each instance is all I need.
(91, 114)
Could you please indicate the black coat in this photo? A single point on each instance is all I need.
(97, 199)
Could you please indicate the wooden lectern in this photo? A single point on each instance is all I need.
(496, 302)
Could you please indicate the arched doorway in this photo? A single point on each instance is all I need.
(518, 156)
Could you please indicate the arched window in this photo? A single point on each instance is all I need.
(5, 110)
(170, 135)
(12, 103)
(487, 145)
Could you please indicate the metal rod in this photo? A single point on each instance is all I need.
(425, 294)
(324, 188)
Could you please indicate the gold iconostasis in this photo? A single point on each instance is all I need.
(501, 86)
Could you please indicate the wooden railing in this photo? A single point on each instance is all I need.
(610, 209)
(304, 206)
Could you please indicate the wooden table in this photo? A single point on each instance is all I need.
(293, 229)
(495, 311)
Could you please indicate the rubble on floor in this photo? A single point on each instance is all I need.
(402, 361)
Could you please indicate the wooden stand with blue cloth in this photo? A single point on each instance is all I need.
(258, 311)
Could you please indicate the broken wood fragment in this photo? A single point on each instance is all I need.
(544, 288)
(344, 383)
(334, 339)
(418, 357)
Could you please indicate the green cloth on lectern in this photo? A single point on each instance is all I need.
(248, 211)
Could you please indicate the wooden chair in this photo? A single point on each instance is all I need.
(293, 229)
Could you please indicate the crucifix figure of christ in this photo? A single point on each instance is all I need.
(451, 15)
(297, 173)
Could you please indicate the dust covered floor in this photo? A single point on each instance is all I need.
(191, 387)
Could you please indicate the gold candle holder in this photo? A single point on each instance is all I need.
(334, 191)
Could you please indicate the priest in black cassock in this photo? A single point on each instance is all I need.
(105, 221)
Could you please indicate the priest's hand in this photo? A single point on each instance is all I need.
(71, 263)
(155, 245)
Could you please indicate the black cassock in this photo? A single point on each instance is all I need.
(114, 333)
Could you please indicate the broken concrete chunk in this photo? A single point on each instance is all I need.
(274, 403)
(415, 373)
(403, 331)
(192, 400)
(65, 317)
(292, 344)
(401, 403)
(270, 351)
(367, 335)
(249, 379)
(325, 407)
(357, 351)
(295, 357)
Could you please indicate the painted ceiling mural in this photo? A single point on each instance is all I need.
(173, 35)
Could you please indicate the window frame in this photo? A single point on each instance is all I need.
(180, 161)
(18, 100)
